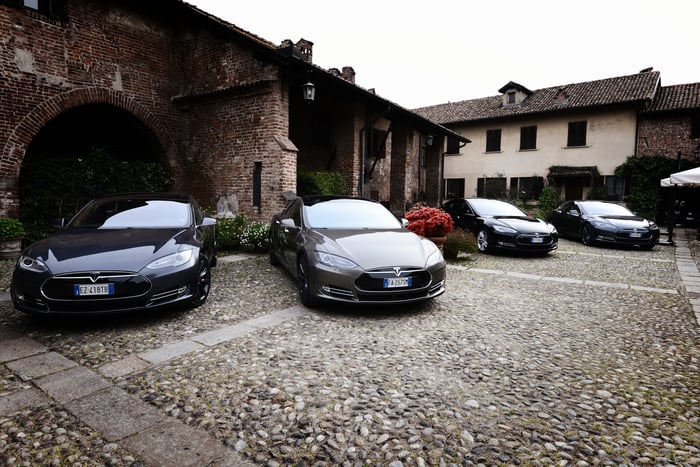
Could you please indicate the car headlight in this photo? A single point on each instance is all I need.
(653, 226)
(32, 264)
(334, 261)
(504, 229)
(434, 258)
(601, 224)
(173, 260)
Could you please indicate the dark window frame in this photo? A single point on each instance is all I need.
(528, 138)
(454, 188)
(493, 140)
(577, 134)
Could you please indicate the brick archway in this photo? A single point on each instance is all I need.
(15, 149)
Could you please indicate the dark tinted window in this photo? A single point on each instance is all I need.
(349, 214)
(133, 213)
(577, 134)
(493, 140)
(528, 137)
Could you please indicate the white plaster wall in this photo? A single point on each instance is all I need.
(609, 137)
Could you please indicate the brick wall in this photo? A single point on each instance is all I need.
(214, 105)
(666, 136)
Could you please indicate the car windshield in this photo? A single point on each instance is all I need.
(132, 213)
(595, 208)
(349, 214)
(492, 207)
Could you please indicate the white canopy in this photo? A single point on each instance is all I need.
(686, 178)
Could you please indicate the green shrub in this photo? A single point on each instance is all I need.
(229, 230)
(11, 228)
(458, 241)
(320, 183)
(548, 201)
(255, 237)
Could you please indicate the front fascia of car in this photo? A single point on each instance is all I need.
(169, 277)
(339, 278)
(541, 237)
(635, 231)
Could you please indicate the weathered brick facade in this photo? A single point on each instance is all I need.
(214, 105)
(223, 106)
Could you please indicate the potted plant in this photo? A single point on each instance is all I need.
(11, 235)
(432, 223)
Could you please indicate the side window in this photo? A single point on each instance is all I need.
(528, 137)
(577, 134)
(493, 140)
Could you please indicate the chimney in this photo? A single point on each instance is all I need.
(306, 49)
(349, 74)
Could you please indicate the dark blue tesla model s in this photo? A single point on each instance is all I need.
(120, 253)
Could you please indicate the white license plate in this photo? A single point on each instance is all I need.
(93, 289)
(537, 239)
(391, 282)
(635, 235)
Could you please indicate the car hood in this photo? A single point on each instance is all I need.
(371, 249)
(625, 222)
(109, 249)
(523, 224)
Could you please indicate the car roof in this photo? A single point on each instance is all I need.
(310, 200)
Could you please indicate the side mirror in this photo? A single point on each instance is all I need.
(208, 221)
(404, 222)
(288, 222)
(573, 212)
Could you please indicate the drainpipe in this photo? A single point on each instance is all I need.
(363, 150)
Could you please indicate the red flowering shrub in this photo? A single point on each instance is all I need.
(429, 222)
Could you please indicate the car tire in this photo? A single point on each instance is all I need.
(201, 291)
(587, 235)
(483, 241)
(304, 283)
(274, 260)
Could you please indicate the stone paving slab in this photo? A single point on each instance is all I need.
(21, 347)
(170, 351)
(21, 400)
(115, 414)
(172, 443)
(39, 365)
(126, 366)
(72, 384)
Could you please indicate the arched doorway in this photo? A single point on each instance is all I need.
(83, 152)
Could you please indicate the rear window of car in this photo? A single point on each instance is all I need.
(133, 213)
(350, 214)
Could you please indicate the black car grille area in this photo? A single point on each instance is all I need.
(126, 285)
(527, 240)
(373, 281)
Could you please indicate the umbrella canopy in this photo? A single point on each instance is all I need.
(686, 178)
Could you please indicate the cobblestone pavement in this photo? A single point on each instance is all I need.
(588, 356)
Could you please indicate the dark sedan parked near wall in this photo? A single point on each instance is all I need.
(120, 253)
(354, 250)
(501, 225)
(604, 222)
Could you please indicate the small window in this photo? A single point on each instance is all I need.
(491, 187)
(577, 134)
(50, 8)
(511, 97)
(454, 188)
(377, 143)
(528, 137)
(257, 185)
(493, 140)
(695, 127)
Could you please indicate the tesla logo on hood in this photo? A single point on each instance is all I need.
(94, 276)
(397, 271)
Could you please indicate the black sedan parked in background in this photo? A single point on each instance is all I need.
(354, 250)
(501, 225)
(120, 253)
(604, 222)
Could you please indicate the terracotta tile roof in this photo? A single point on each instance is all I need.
(633, 89)
(677, 97)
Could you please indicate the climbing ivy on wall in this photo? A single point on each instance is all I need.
(643, 176)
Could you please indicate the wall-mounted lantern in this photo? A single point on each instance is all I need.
(309, 91)
(429, 140)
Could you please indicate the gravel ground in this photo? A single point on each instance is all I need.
(500, 370)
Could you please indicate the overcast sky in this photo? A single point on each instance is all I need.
(423, 53)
